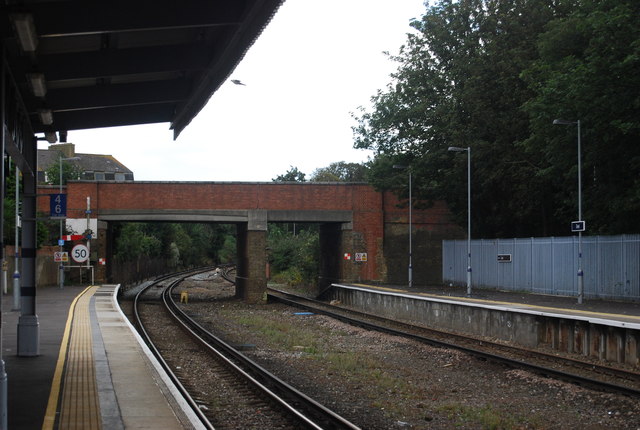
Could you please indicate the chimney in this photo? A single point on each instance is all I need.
(68, 149)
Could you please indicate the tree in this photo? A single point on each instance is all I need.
(228, 251)
(70, 172)
(292, 175)
(133, 242)
(46, 231)
(10, 206)
(492, 75)
(179, 244)
(294, 256)
(588, 71)
(340, 172)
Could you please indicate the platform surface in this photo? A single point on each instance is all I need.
(91, 371)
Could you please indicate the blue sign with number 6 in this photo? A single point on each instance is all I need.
(58, 205)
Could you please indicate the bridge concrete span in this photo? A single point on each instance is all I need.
(355, 221)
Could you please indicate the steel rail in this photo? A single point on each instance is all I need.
(323, 418)
(176, 381)
(226, 270)
(295, 300)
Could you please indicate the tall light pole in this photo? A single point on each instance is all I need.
(408, 168)
(579, 225)
(468, 150)
(16, 272)
(61, 274)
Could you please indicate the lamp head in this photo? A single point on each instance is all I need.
(25, 31)
(563, 122)
(50, 136)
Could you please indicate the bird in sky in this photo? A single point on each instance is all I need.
(237, 82)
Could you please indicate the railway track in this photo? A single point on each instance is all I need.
(229, 390)
(588, 374)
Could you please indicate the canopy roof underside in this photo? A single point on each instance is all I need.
(89, 64)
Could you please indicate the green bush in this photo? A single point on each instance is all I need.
(294, 255)
(291, 277)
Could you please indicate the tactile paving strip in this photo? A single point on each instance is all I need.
(80, 408)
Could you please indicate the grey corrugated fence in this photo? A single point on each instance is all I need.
(549, 265)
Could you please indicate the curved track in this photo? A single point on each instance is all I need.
(583, 373)
(240, 393)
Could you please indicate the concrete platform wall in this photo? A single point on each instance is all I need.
(530, 329)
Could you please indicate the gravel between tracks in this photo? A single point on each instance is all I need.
(379, 381)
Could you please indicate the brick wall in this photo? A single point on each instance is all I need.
(380, 220)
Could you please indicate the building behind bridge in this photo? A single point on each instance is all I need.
(93, 167)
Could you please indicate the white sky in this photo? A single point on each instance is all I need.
(314, 64)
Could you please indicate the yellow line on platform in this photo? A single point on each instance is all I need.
(495, 302)
(52, 404)
(80, 407)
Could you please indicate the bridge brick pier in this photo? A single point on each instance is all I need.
(354, 218)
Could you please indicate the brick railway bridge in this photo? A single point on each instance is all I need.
(353, 218)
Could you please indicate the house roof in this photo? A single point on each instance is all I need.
(87, 162)
(123, 62)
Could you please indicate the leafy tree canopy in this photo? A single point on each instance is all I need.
(294, 255)
(70, 172)
(588, 70)
(340, 172)
(292, 175)
(180, 244)
(47, 231)
(492, 76)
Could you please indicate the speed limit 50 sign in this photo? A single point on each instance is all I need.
(80, 253)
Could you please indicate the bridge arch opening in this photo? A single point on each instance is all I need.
(140, 249)
(258, 250)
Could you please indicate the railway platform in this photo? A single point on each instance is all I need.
(610, 310)
(604, 329)
(92, 372)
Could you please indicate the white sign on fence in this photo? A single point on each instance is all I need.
(361, 256)
(60, 257)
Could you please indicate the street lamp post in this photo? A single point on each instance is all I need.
(580, 220)
(16, 272)
(399, 166)
(61, 275)
(468, 150)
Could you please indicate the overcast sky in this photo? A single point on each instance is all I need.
(314, 64)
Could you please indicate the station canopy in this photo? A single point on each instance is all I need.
(82, 64)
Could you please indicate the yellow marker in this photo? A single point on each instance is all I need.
(184, 297)
(50, 414)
